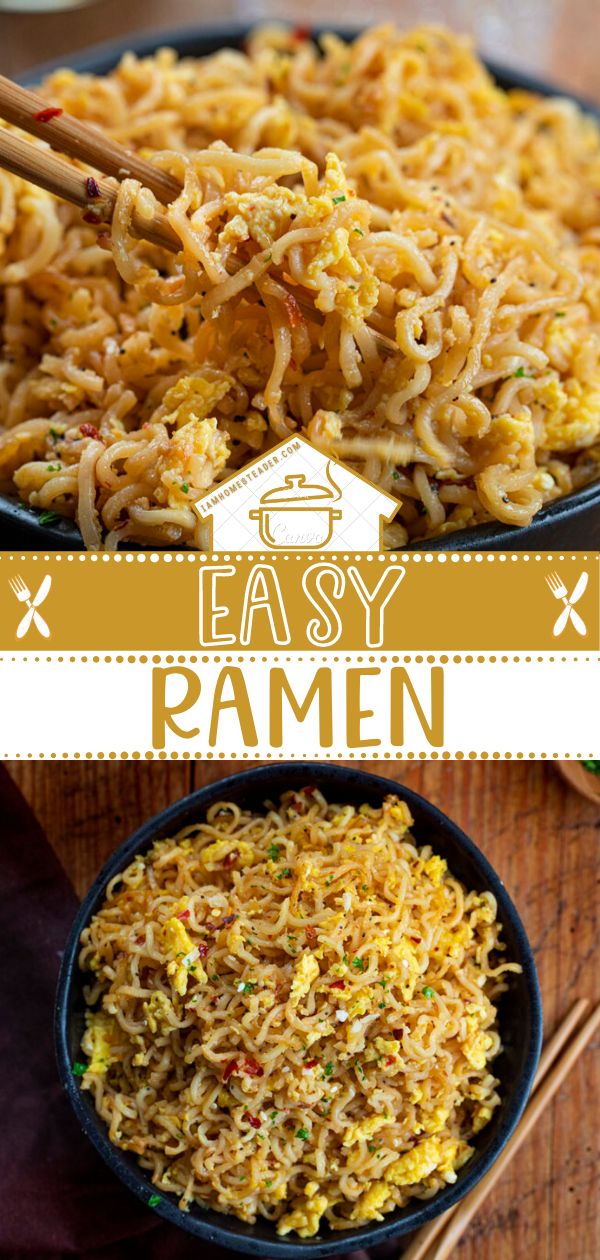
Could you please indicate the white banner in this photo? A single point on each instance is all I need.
(294, 705)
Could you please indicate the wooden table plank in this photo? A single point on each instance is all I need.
(555, 38)
(543, 840)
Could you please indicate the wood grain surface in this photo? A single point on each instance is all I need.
(555, 38)
(544, 841)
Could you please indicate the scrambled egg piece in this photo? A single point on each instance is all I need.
(362, 1003)
(475, 1048)
(185, 955)
(97, 1041)
(307, 970)
(262, 216)
(572, 418)
(434, 1154)
(214, 853)
(481, 1117)
(435, 1120)
(197, 452)
(435, 868)
(364, 1129)
(305, 1219)
(192, 398)
(367, 1208)
(158, 1010)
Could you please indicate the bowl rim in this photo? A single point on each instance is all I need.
(99, 59)
(217, 1230)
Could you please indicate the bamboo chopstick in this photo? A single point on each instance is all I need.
(461, 1218)
(44, 168)
(422, 1241)
(96, 197)
(80, 140)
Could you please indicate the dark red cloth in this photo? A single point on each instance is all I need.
(57, 1198)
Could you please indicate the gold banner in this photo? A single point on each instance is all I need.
(182, 602)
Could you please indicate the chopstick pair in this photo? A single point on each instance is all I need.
(437, 1240)
(95, 195)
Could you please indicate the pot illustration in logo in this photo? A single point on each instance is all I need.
(298, 513)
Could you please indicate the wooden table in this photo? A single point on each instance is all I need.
(543, 840)
(556, 38)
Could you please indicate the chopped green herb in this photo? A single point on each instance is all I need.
(559, 314)
(286, 871)
(329, 879)
(185, 487)
(336, 200)
(48, 518)
(249, 986)
(344, 958)
(359, 963)
(54, 434)
(363, 887)
(427, 991)
(359, 231)
(371, 1148)
(268, 1184)
(274, 850)
(302, 1134)
(53, 467)
(520, 372)
(154, 1200)
(273, 1116)
(267, 257)
(79, 1069)
(328, 1069)
(395, 475)
(381, 1006)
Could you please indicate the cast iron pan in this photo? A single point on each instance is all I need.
(520, 1011)
(571, 523)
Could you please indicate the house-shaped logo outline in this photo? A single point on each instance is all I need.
(296, 484)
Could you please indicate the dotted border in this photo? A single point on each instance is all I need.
(392, 557)
(319, 755)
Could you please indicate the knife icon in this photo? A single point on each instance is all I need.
(32, 615)
(559, 591)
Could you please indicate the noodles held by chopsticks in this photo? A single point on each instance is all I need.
(292, 1013)
(389, 185)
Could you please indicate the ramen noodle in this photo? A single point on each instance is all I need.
(291, 1014)
(328, 194)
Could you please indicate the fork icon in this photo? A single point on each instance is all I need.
(23, 594)
(559, 590)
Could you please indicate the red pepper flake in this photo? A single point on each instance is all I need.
(310, 933)
(390, 1059)
(338, 984)
(203, 949)
(294, 313)
(92, 187)
(185, 914)
(253, 1120)
(251, 1067)
(311, 1063)
(44, 115)
(310, 790)
(230, 859)
(103, 240)
(90, 430)
(416, 939)
(232, 1067)
(398, 1032)
(92, 216)
(216, 927)
(293, 365)
(302, 33)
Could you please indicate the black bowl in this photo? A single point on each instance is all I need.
(520, 1010)
(572, 522)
